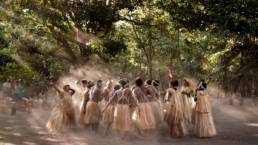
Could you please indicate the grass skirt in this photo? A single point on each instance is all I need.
(203, 125)
(187, 108)
(155, 106)
(122, 118)
(82, 115)
(92, 114)
(143, 117)
(176, 123)
(61, 117)
(108, 114)
(165, 111)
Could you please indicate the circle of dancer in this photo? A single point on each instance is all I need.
(135, 108)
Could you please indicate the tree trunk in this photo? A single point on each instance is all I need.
(149, 39)
(149, 61)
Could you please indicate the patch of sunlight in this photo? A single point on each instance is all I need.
(17, 134)
(51, 139)
(78, 138)
(252, 124)
(7, 143)
(42, 133)
(8, 128)
(29, 143)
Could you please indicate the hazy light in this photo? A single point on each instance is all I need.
(252, 124)
(17, 134)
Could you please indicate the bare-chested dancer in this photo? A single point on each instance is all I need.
(122, 114)
(150, 90)
(153, 97)
(86, 98)
(156, 84)
(93, 113)
(143, 116)
(108, 114)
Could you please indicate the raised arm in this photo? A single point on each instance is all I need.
(59, 93)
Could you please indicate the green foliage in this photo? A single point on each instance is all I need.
(39, 38)
(235, 22)
(14, 71)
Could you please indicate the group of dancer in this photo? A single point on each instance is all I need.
(136, 109)
(189, 109)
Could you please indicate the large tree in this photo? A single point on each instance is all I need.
(46, 34)
(237, 21)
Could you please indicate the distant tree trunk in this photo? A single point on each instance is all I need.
(149, 61)
(161, 80)
(149, 42)
(178, 45)
(140, 64)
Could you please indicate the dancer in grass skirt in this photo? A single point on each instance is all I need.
(62, 116)
(175, 115)
(93, 113)
(143, 116)
(122, 113)
(108, 114)
(153, 97)
(86, 98)
(203, 124)
(186, 95)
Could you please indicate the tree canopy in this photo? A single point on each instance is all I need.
(38, 38)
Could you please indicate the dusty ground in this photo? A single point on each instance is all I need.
(235, 125)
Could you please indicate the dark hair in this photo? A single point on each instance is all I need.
(186, 82)
(99, 81)
(84, 81)
(122, 83)
(138, 82)
(90, 84)
(202, 85)
(117, 87)
(148, 82)
(155, 83)
(174, 83)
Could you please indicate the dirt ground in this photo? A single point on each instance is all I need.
(235, 125)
